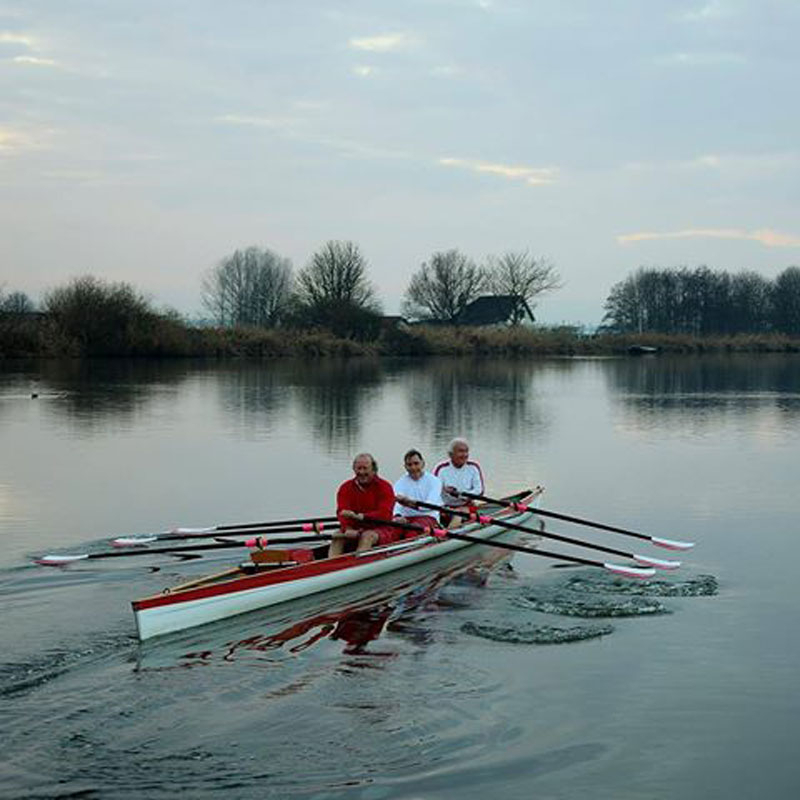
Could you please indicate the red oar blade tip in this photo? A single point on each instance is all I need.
(671, 544)
(133, 541)
(630, 572)
(657, 563)
(57, 561)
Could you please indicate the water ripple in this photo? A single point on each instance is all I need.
(701, 585)
(535, 634)
(573, 604)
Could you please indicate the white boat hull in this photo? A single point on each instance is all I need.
(174, 613)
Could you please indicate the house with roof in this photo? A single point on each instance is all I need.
(496, 309)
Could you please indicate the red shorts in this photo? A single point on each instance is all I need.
(424, 520)
(389, 535)
(386, 535)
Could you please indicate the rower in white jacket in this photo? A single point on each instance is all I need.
(459, 474)
(417, 484)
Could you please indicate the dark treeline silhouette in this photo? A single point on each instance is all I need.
(442, 288)
(256, 287)
(261, 309)
(703, 302)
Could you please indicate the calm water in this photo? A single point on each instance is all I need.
(444, 685)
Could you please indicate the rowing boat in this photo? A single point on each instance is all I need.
(253, 586)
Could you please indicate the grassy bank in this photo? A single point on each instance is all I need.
(40, 336)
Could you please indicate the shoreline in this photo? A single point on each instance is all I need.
(25, 339)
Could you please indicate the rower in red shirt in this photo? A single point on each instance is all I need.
(365, 495)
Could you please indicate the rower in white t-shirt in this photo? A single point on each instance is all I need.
(417, 484)
(459, 474)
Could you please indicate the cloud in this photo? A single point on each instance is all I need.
(364, 70)
(255, 122)
(446, 71)
(737, 163)
(702, 59)
(7, 37)
(15, 140)
(35, 61)
(298, 129)
(716, 9)
(535, 176)
(765, 236)
(385, 43)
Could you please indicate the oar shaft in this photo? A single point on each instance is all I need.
(299, 528)
(565, 517)
(489, 542)
(512, 526)
(521, 549)
(183, 534)
(277, 523)
(186, 548)
(175, 549)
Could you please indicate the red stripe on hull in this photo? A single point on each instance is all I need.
(309, 570)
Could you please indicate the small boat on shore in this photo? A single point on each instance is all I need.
(641, 350)
(268, 582)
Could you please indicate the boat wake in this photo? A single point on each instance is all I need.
(699, 586)
(536, 634)
(572, 604)
(16, 678)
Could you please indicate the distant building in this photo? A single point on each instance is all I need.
(392, 321)
(496, 309)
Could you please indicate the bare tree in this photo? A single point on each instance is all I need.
(250, 287)
(16, 303)
(522, 276)
(337, 273)
(441, 288)
(697, 301)
(104, 318)
(333, 292)
(787, 301)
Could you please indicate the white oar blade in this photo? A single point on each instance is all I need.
(133, 541)
(657, 563)
(55, 561)
(630, 572)
(192, 530)
(671, 544)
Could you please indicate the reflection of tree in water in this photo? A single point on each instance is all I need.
(94, 393)
(332, 395)
(252, 394)
(469, 396)
(708, 386)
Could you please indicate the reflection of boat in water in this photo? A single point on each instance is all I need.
(250, 587)
(355, 614)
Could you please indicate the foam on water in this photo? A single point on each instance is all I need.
(535, 634)
(700, 585)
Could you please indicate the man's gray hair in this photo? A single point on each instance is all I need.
(370, 457)
(458, 440)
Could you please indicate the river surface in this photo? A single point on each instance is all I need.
(512, 679)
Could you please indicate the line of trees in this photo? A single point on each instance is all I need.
(256, 287)
(15, 303)
(90, 316)
(702, 301)
(443, 286)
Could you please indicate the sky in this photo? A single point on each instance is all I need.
(145, 140)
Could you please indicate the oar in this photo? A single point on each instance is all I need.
(284, 526)
(55, 560)
(658, 563)
(443, 533)
(669, 544)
